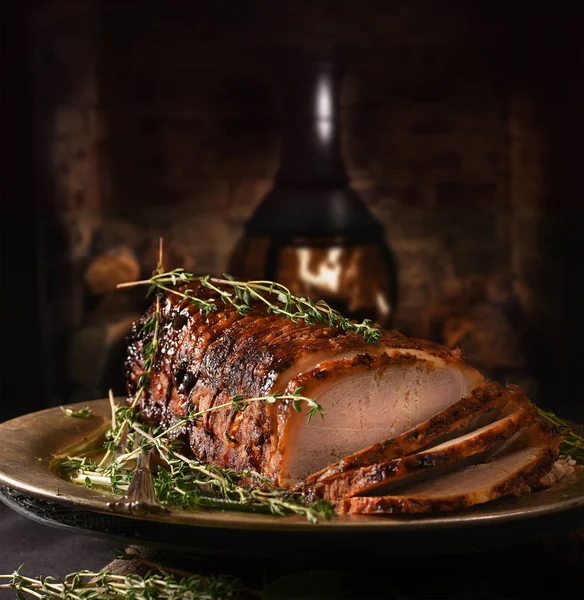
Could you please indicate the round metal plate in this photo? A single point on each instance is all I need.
(31, 447)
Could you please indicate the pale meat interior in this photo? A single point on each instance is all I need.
(478, 481)
(365, 407)
(456, 420)
(388, 477)
(477, 433)
(469, 451)
(498, 409)
(311, 361)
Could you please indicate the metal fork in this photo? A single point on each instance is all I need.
(140, 498)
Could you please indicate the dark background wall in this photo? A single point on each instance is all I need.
(461, 130)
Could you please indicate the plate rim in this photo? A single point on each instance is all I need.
(26, 468)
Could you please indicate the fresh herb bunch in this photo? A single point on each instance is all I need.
(237, 403)
(572, 444)
(184, 482)
(157, 584)
(277, 298)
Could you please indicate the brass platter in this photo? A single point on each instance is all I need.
(30, 447)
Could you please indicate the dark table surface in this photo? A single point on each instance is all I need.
(46, 551)
(554, 566)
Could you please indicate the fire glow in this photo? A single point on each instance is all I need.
(346, 276)
(327, 276)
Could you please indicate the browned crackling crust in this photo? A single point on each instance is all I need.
(517, 483)
(483, 398)
(204, 360)
(366, 481)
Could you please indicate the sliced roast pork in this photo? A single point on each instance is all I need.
(365, 399)
(482, 406)
(383, 478)
(525, 461)
(369, 393)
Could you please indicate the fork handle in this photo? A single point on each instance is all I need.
(140, 498)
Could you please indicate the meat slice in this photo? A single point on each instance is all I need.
(365, 400)
(383, 478)
(483, 405)
(513, 472)
(368, 392)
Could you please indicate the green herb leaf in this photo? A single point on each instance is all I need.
(274, 297)
(157, 584)
(572, 443)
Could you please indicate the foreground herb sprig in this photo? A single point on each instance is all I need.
(572, 444)
(277, 299)
(157, 584)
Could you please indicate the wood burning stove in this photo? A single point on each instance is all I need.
(312, 231)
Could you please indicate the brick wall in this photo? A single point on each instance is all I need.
(163, 118)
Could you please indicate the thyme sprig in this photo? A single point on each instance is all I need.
(186, 483)
(572, 443)
(124, 417)
(152, 325)
(238, 403)
(157, 584)
(277, 298)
